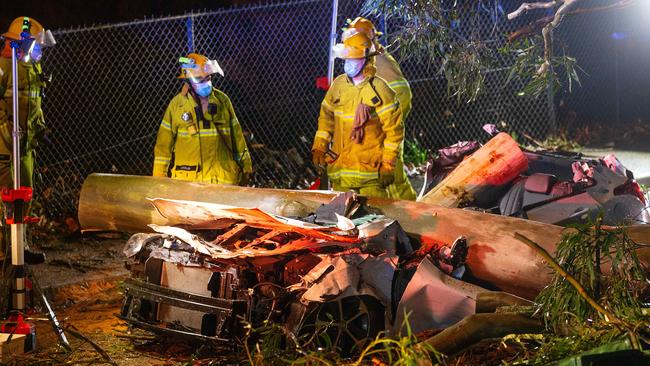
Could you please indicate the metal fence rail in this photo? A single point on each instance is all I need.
(112, 84)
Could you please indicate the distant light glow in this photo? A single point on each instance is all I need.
(618, 36)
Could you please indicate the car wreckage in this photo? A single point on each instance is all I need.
(209, 270)
(554, 187)
(342, 271)
(560, 188)
(211, 261)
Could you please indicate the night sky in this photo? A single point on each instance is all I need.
(72, 13)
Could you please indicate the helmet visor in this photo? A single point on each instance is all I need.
(45, 38)
(345, 52)
(197, 72)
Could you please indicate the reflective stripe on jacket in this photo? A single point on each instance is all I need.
(201, 152)
(30, 117)
(389, 70)
(357, 164)
(30, 113)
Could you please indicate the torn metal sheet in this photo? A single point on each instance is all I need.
(343, 204)
(343, 223)
(195, 212)
(202, 213)
(138, 241)
(342, 279)
(197, 243)
(377, 276)
(385, 235)
(433, 300)
(350, 275)
(253, 249)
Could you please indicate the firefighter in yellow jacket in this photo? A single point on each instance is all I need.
(200, 131)
(31, 82)
(360, 132)
(389, 70)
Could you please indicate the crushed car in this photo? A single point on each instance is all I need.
(341, 271)
(559, 188)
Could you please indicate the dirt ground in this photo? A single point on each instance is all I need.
(82, 279)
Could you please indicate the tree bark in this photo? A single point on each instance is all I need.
(496, 258)
(489, 302)
(478, 327)
(480, 175)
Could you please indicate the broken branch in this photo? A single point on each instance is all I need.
(489, 302)
(567, 276)
(538, 24)
(523, 8)
(135, 337)
(477, 327)
(97, 348)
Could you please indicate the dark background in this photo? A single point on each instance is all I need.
(73, 13)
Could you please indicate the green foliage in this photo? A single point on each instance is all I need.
(414, 153)
(274, 345)
(444, 34)
(604, 262)
(528, 57)
(543, 349)
(465, 69)
(430, 32)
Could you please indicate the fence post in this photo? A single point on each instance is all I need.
(330, 64)
(189, 25)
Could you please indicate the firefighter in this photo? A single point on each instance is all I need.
(360, 132)
(201, 131)
(389, 70)
(31, 84)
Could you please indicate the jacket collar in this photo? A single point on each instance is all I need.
(349, 81)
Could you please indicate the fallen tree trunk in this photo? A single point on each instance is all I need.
(496, 258)
(482, 175)
(478, 327)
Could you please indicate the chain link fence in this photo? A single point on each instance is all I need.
(112, 84)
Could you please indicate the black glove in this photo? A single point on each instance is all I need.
(318, 157)
(386, 175)
(244, 179)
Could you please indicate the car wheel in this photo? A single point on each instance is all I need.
(348, 324)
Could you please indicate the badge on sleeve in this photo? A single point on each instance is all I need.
(186, 117)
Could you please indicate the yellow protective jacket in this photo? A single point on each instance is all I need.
(389, 70)
(202, 149)
(30, 117)
(357, 164)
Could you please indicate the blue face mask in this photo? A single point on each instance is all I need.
(354, 66)
(203, 89)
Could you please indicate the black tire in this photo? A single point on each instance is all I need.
(346, 324)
